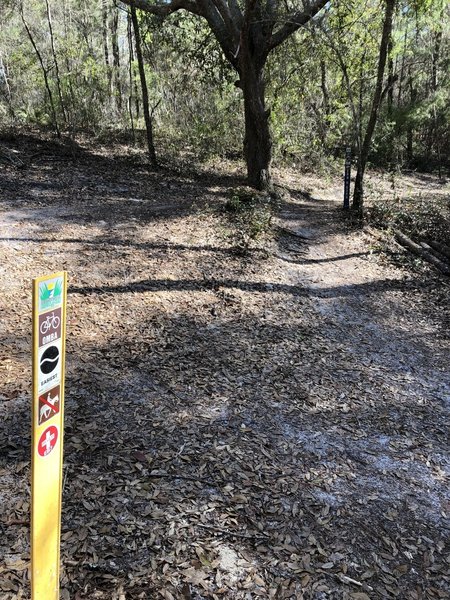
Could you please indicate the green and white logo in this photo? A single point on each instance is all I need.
(50, 293)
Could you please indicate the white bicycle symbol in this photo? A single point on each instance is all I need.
(51, 322)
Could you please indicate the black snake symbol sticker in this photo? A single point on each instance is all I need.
(49, 360)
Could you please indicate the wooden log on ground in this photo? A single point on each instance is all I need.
(406, 242)
(442, 248)
(435, 253)
(10, 156)
(376, 233)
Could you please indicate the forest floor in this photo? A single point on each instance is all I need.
(266, 426)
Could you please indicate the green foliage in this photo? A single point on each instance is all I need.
(424, 217)
(249, 214)
(319, 83)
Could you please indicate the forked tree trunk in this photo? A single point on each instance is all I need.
(247, 31)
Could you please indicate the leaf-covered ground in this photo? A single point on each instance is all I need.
(270, 426)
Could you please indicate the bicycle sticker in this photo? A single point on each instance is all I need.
(49, 327)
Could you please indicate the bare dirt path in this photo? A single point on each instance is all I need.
(389, 346)
(235, 427)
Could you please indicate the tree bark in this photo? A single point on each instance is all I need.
(390, 81)
(130, 74)
(358, 194)
(410, 129)
(105, 43)
(442, 248)
(257, 139)
(116, 56)
(145, 105)
(406, 242)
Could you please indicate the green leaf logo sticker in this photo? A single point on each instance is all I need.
(50, 294)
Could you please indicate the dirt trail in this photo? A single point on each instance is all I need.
(396, 358)
(379, 308)
(235, 427)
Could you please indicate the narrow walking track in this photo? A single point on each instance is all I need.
(235, 427)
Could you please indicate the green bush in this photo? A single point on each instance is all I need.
(250, 215)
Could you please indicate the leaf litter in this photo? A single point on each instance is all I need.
(236, 427)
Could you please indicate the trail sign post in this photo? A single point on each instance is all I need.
(347, 175)
(49, 333)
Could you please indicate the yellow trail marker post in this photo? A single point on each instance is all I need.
(49, 336)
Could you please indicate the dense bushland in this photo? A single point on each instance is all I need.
(72, 66)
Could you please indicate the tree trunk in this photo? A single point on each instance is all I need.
(130, 74)
(116, 56)
(71, 110)
(377, 96)
(410, 128)
(257, 140)
(4, 73)
(247, 32)
(390, 81)
(44, 73)
(105, 44)
(145, 106)
(55, 61)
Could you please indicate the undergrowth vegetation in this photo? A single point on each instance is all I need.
(249, 214)
(422, 216)
(319, 83)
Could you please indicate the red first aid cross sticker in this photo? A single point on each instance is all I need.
(48, 440)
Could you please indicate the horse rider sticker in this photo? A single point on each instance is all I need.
(48, 405)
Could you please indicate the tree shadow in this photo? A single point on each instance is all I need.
(210, 431)
(225, 412)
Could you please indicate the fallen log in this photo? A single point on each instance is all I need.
(435, 253)
(442, 248)
(9, 155)
(376, 233)
(406, 242)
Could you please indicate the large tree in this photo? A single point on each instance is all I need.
(247, 31)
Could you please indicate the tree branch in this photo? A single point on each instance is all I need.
(226, 34)
(164, 9)
(236, 12)
(225, 13)
(294, 21)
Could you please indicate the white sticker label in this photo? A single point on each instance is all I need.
(49, 366)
